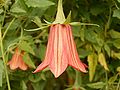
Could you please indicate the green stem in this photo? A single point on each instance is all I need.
(4, 17)
(78, 80)
(4, 60)
(106, 80)
(107, 26)
(118, 85)
(8, 28)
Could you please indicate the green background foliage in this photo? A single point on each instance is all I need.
(98, 47)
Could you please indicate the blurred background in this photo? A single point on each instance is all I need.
(98, 47)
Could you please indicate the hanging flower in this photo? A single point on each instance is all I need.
(17, 60)
(61, 51)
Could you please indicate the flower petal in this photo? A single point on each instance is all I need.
(49, 53)
(74, 61)
(21, 63)
(59, 62)
(14, 61)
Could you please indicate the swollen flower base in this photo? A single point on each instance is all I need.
(17, 61)
(61, 51)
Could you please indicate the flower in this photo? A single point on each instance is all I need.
(17, 60)
(61, 51)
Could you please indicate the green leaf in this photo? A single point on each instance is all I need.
(97, 48)
(28, 60)
(92, 62)
(97, 85)
(39, 3)
(118, 69)
(107, 49)
(117, 55)
(118, 1)
(42, 51)
(1, 11)
(114, 34)
(83, 53)
(37, 21)
(91, 36)
(100, 41)
(97, 9)
(102, 61)
(116, 43)
(26, 47)
(35, 77)
(112, 79)
(24, 87)
(116, 13)
(76, 31)
(19, 7)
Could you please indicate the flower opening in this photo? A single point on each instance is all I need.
(61, 51)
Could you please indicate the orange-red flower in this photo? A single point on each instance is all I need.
(17, 61)
(61, 51)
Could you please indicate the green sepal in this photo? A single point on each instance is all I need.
(47, 22)
(60, 17)
(68, 20)
(79, 24)
(36, 29)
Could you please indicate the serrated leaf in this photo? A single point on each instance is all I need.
(91, 36)
(97, 85)
(28, 60)
(19, 7)
(102, 61)
(114, 34)
(92, 62)
(116, 13)
(26, 47)
(39, 3)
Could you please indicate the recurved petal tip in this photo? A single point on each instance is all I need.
(43, 65)
(35, 71)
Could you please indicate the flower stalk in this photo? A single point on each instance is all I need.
(4, 60)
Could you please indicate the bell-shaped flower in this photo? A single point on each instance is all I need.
(17, 60)
(61, 51)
